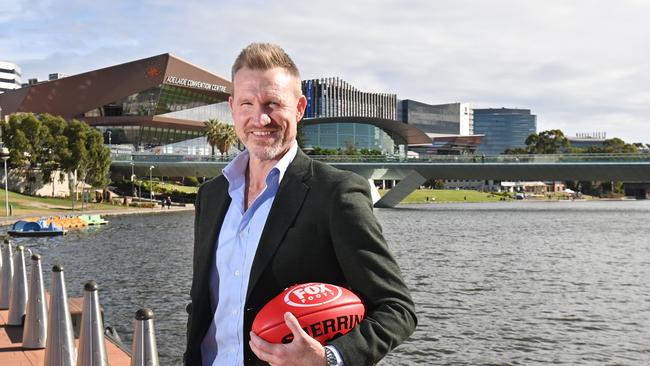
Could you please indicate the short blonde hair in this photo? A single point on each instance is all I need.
(265, 56)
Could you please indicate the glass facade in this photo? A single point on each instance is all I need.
(145, 137)
(164, 101)
(503, 128)
(159, 100)
(220, 111)
(342, 135)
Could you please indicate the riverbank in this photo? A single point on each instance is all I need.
(24, 206)
(449, 196)
(471, 196)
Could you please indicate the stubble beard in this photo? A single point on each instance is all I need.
(269, 152)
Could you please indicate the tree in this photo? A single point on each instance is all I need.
(220, 135)
(613, 146)
(547, 142)
(85, 159)
(515, 151)
(349, 149)
(55, 147)
(26, 137)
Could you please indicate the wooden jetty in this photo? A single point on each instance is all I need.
(12, 353)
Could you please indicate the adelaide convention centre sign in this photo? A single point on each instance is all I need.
(175, 80)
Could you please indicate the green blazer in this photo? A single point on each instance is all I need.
(321, 228)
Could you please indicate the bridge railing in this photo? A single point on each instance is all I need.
(451, 159)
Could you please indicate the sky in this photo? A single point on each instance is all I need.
(580, 65)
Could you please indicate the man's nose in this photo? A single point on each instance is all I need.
(262, 116)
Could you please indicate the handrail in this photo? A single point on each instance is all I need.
(451, 159)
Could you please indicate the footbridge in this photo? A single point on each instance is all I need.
(411, 173)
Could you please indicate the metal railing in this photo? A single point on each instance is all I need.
(440, 159)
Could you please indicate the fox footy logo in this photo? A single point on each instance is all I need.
(312, 294)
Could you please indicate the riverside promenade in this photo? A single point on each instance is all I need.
(6, 221)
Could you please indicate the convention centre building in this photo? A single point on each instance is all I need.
(149, 102)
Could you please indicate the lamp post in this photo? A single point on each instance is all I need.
(4, 153)
(5, 157)
(132, 179)
(109, 140)
(151, 183)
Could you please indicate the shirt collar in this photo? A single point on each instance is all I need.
(235, 171)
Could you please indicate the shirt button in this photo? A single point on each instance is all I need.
(234, 312)
(237, 273)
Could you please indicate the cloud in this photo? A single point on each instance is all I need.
(579, 65)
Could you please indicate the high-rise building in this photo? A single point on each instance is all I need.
(9, 76)
(453, 118)
(503, 128)
(333, 97)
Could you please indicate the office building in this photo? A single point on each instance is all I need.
(503, 128)
(445, 119)
(10, 76)
(585, 140)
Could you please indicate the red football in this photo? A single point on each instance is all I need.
(324, 311)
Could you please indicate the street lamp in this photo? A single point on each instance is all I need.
(132, 179)
(109, 140)
(151, 183)
(5, 157)
(4, 154)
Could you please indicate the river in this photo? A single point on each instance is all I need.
(515, 283)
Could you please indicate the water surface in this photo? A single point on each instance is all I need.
(515, 283)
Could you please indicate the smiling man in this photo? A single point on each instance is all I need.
(276, 218)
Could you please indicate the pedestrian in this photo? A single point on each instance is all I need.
(168, 201)
(276, 218)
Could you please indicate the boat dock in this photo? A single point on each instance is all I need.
(13, 354)
(39, 327)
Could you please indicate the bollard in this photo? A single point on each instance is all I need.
(35, 331)
(92, 349)
(18, 297)
(6, 276)
(144, 351)
(59, 350)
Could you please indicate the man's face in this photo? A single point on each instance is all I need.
(266, 107)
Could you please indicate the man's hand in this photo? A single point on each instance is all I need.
(302, 351)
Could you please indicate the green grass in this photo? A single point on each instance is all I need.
(31, 205)
(447, 195)
(176, 187)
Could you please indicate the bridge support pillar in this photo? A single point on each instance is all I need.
(407, 185)
(374, 192)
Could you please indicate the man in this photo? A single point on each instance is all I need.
(276, 218)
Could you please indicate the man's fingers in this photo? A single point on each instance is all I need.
(294, 326)
(261, 348)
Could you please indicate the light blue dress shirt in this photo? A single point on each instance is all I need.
(236, 246)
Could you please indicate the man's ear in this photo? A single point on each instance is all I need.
(300, 109)
(231, 102)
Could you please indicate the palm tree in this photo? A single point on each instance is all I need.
(227, 138)
(212, 132)
(220, 135)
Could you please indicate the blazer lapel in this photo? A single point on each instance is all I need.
(213, 212)
(286, 206)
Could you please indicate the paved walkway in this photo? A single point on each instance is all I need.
(6, 221)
